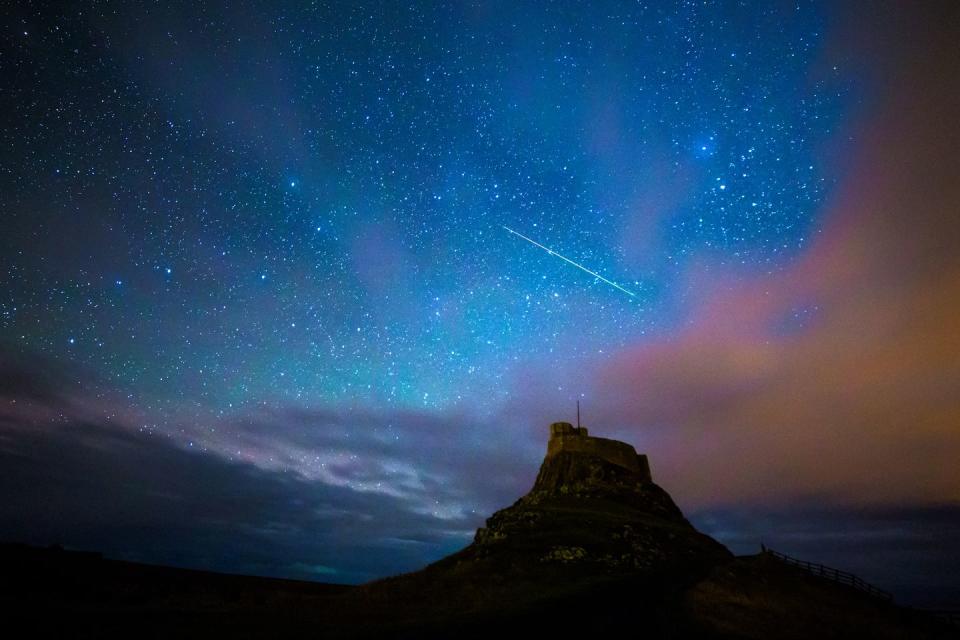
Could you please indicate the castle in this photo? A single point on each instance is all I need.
(564, 437)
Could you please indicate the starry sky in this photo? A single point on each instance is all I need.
(260, 310)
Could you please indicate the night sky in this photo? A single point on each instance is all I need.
(260, 310)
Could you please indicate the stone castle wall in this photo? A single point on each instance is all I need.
(566, 437)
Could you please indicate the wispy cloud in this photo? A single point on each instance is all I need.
(836, 376)
(77, 474)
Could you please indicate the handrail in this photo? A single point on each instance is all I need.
(835, 575)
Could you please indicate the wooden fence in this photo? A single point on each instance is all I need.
(835, 575)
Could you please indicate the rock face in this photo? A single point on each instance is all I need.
(595, 504)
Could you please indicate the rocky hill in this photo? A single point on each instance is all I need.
(596, 546)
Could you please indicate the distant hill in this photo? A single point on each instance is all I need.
(595, 547)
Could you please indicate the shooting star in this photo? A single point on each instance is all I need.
(578, 266)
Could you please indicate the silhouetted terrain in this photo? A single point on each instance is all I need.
(596, 546)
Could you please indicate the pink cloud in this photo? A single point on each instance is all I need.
(838, 378)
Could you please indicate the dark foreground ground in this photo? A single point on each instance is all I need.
(57, 593)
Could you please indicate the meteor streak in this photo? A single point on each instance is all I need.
(578, 266)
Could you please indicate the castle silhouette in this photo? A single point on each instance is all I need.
(564, 437)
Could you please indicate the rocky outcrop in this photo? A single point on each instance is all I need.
(595, 542)
(587, 510)
(597, 549)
